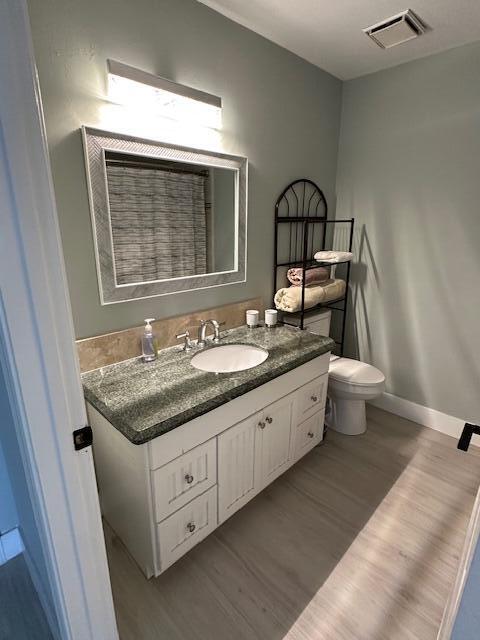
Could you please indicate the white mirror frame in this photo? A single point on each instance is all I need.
(96, 142)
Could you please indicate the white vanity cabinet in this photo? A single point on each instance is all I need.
(252, 454)
(163, 497)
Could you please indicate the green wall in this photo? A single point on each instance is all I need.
(16, 507)
(409, 172)
(8, 510)
(279, 111)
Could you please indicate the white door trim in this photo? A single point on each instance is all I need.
(38, 353)
(472, 537)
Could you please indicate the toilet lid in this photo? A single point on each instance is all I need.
(355, 372)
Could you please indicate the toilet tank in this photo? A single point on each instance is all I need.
(319, 323)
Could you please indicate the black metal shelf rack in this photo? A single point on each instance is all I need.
(301, 229)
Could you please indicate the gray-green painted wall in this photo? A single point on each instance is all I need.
(8, 510)
(279, 111)
(408, 171)
(21, 507)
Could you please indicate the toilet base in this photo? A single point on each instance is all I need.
(346, 416)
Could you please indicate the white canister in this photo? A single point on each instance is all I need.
(252, 316)
(270, 317)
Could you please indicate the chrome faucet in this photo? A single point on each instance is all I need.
(202, 332)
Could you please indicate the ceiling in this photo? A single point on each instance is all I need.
(329, 34)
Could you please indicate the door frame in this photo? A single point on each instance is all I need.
(37, 350)
(472, 538)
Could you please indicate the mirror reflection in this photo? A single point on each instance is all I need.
(169, 219)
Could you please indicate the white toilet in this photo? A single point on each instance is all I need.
(350, 384)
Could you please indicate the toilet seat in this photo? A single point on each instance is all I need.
(354, 373)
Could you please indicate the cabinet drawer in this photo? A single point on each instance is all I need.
(184, 478)
(184, 529)
(308, 434)
(312, 396)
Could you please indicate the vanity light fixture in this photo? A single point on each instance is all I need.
(167, 99)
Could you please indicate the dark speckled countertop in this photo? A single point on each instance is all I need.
(145, 400)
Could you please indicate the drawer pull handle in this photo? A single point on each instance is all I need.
(269, 419)
(310, 434)
(261, 424)
(191, 526)
(314, 398)
(189, 478)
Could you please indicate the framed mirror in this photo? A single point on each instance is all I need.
(165, 218)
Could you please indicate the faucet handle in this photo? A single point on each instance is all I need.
(217, 326)
(187, 345)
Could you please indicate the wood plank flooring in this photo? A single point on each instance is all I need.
(360, 540)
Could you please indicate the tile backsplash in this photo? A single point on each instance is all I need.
(100, 351)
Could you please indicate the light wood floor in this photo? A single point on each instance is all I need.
(358, 541)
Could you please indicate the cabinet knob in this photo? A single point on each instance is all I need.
(261, 424)
(189, 478)
(310, 434)
(314, 398)
(191, 526)
(269, 419)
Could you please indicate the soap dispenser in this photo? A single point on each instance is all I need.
(149, 351)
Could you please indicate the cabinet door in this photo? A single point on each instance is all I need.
(236, 467)
(274, 431)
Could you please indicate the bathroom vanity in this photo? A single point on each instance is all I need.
(179, 450)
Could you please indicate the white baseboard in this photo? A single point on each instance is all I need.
(425, 416)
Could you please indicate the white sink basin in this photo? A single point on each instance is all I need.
(228, 358)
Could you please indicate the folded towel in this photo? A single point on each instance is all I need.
(290, 298)
(333, 256)
(312, 276)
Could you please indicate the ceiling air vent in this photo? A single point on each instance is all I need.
(395, 30)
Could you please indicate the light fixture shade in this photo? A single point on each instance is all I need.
(147, 92)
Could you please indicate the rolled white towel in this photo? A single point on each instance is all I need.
(333, 256)
(290, 298)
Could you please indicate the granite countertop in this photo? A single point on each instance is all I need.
(145, 400)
